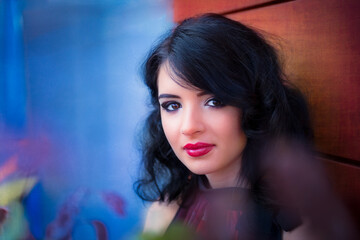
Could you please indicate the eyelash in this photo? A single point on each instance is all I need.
(220, 103)
(167, 105)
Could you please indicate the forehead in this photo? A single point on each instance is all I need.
(168, 81)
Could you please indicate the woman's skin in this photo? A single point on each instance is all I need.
(190, 116)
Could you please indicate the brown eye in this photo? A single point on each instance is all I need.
(213, 102)
(170, 106)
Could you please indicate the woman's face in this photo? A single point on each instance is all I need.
(205, 134)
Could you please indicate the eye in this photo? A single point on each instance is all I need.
(213, 102)
(170, 106)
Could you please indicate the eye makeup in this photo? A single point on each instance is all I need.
(170, 106)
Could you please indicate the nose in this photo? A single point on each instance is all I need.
(192, 122)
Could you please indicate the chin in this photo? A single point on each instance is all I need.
(200, 170)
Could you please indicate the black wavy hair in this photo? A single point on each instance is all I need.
(235, 63)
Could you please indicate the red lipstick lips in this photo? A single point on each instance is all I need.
(198, 149)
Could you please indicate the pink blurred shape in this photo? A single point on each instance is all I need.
(3, 214)
(64, 222)
(115, 202)
(101, 231)
(9, 167)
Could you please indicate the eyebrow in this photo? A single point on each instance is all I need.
(165, 95)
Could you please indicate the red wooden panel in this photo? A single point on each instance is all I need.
(320, 43)
(346, 181)
(187, 8)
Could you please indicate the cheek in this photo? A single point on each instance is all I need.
(169, 126)
(228, 127)
(225, 120)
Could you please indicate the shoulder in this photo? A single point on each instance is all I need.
(159, 216)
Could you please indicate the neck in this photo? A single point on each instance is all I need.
(226, 177)
(221, 181)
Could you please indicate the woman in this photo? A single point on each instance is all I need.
(220, 102)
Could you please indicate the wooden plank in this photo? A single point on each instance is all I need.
(320, 43)
(187, 8)
(346, 182)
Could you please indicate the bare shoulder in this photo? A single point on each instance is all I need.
(159, 215)
(297, 234)
(304, 231)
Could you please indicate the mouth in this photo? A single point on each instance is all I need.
(198, 149)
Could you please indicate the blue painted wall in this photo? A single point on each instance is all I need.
(73, 67)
